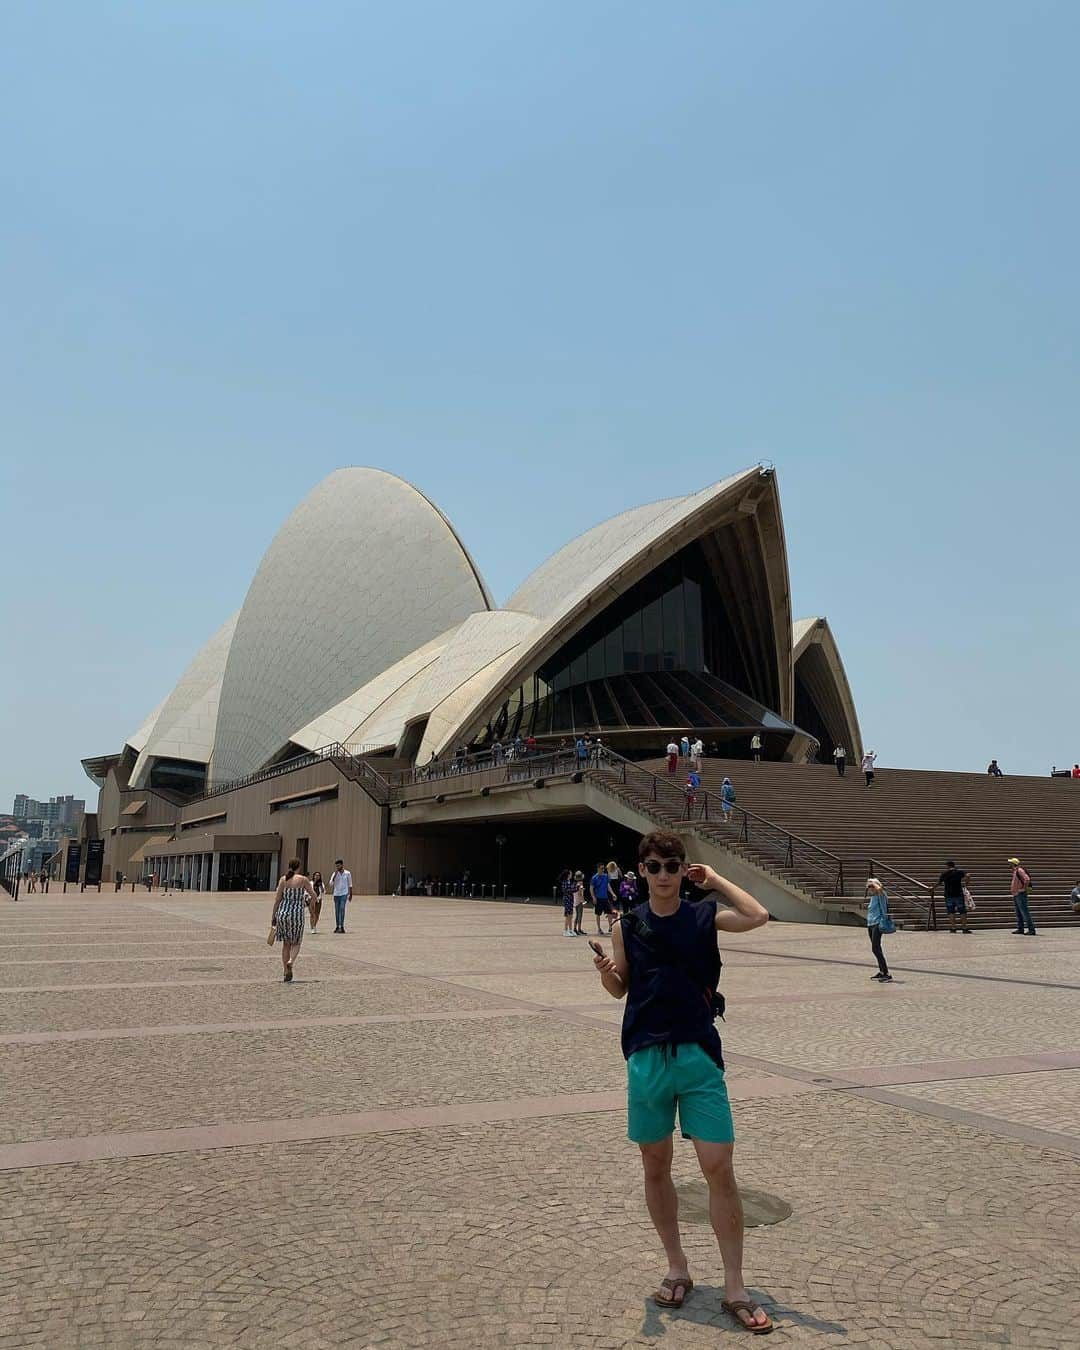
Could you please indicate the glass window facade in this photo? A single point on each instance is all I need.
(665, 654)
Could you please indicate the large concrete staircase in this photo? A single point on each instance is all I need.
(904, 828)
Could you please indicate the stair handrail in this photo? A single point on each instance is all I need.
(831, 865)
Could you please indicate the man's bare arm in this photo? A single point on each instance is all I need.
(615, 969)
(745, 912)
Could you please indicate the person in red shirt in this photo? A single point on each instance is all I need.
(1076, 771)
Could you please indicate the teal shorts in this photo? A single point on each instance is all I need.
(660, 1079)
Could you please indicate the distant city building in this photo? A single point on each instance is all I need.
(65, 812)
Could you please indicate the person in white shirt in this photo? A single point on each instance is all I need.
(868, 766)
(696, 751)
(755, 747)
(672, 756)
(341, 886)
(839, 755)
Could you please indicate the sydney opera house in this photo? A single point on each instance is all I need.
(349, 664)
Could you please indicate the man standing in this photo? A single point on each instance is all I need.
(341, 885)
(839, 755)
(672, 756)
(1021, 880)
(755, 747)
(953, 880)
(666, 964)
(696, 752)
(868, 766)
(600, 890)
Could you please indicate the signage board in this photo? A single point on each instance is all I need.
(74, 860)
(95, 856)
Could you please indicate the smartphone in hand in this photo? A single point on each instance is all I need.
(597, 948)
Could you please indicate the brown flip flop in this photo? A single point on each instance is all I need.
(679, 1282)
(741, 1305)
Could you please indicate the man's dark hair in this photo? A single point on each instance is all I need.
(663, 844)
(949, 863)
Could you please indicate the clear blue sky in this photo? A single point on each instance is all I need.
(546, 260)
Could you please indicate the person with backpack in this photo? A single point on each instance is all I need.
(877, 924)
(868, 766)
(600, 891)
(727, 799)
(1019, 888)
(666, 964)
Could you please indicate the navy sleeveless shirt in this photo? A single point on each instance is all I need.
(674, 968)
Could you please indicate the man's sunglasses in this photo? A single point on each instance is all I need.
(672, 866)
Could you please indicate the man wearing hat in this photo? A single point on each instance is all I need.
(1019, 888)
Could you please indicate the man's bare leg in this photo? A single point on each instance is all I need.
(663, 1204)
(726, 1214)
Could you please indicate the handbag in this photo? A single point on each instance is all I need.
(969, 901)
(272, 937)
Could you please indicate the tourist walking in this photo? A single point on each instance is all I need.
(666, 964)
(319, 887)
(579, 902)
(672, 756)
(839, 755)
(878, 923)
(292, 897)
(1019, 887)
(581, 753)
(628, 892)
(684, 746)
(600, 890)
(954, 883)
(566, 894)
(868, 766)
(696, 752)
(755, 747)
(727, 799)
(342, 889)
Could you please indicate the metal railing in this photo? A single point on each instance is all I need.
(339, 754)
(725, 822)
(515, 769)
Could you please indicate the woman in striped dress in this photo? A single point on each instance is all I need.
(294, 894)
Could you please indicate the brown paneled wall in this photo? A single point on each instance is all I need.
(349, 825)
(125, 835)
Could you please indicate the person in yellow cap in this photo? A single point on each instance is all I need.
(1021, 880)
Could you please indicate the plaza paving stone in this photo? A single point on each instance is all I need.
(475, 1204)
